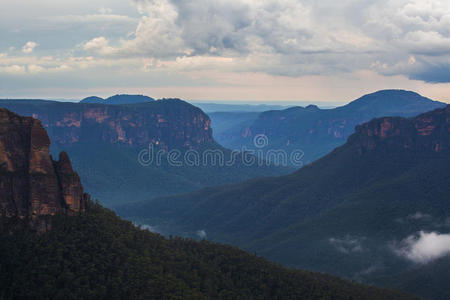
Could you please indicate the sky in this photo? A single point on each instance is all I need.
(248, 50)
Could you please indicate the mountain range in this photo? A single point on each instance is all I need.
(105, 141)
(312, 130)
(365, 211)
(84, 251)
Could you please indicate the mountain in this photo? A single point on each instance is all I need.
(105, 143)
(85, 251)
(317, 131)
(118, 99)
(32, 183)
(363, 211)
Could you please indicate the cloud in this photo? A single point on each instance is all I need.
(29, 47)
(433, 73)
(233, 49)
(94, 18)
(150, 228)
(368, 272)
(201, 234)
(287, 38)
(158, 34)
(424, 247)
(418, 216)
(347, 244)
(34, 69)
(99, 45)
(13, 69)
(297, 38)
(105, 11)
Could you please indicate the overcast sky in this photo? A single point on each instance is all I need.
(283, 50)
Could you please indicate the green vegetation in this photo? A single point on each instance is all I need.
(99, 256)
(342, 214)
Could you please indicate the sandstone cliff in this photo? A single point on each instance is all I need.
(32, 184)
(424, 134)
(169, 124)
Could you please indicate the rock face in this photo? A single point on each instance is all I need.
(426, 133)
(32, 183)
(167, 123)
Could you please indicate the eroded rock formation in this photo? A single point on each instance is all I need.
(170, 124)
(424, 134)
(32, 184)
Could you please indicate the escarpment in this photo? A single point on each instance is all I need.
(32, 184)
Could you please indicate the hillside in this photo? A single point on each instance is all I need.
(55, 243)
(98, 256)
(352, 213)
(318, 131)
(104, 142)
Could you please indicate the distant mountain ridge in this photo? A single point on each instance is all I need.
(118, 99)
(392, 101)
(227, 107)
(318, 131)
(340, 214)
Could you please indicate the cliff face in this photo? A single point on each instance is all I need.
(32, 183)
(166, 123)
(426, 133)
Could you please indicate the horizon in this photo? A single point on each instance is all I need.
(269, 103)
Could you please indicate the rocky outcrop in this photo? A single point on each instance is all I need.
(426, 133)
(32, 184)
(170, 124)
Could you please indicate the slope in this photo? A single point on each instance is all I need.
(98, 256)
(349, 213)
